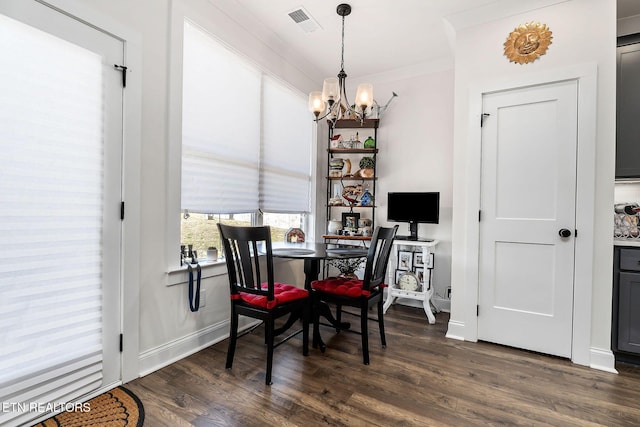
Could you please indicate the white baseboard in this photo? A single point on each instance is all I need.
(166, 354)
(442, 304)
(455, 330)
(603, 360)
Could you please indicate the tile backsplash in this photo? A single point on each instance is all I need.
(627, 192)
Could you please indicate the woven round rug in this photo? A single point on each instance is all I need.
(116, 408)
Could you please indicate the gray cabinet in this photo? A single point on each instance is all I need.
(626, 321)
(628, 108)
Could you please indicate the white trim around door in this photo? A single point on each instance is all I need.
(467, 326)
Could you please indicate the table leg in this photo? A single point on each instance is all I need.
(387, 303)
(426, 304)
(320, 308)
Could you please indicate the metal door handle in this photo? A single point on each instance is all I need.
(564, 232)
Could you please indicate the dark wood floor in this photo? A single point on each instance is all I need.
(420, 379)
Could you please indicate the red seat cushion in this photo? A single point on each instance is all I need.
(283, 293)
(340, 286)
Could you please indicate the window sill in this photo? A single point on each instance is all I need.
(180, 275)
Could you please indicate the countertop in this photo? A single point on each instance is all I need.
(627, 242)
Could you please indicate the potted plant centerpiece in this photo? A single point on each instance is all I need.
(348, 267)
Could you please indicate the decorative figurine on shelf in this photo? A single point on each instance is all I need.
(347, 169)
(335, 167)
(334, 227)
(336, 200)
(336, 141)
(351, 193)
(366, 199)
(366, 168)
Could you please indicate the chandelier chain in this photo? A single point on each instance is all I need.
(342, 53)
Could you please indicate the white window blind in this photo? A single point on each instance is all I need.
(220, 127)
(51, 187)
(246, 138)
(286, 151)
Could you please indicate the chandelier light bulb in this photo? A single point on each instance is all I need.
(330, 90)
(364, 94)
(316, 104)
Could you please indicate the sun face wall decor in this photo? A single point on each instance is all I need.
(527, 42)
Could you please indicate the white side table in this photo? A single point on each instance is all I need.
(424, 294)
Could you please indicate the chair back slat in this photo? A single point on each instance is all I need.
(243, 247)
(378, 256)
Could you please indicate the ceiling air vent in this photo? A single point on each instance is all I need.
(304, 19)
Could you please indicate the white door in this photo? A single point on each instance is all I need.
(528, 186)
(60, 193)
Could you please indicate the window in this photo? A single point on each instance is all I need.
(201, 230)
(246, 145)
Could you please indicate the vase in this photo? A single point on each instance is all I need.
(212, 254)
(334, 226)
(366, 199)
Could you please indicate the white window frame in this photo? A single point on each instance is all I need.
(180, 11)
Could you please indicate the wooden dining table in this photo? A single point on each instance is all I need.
(313, 254)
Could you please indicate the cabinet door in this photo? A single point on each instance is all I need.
(628, 313)
(628, 105)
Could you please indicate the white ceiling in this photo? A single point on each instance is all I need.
(380, 35)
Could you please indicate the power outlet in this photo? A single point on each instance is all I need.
(203, 298)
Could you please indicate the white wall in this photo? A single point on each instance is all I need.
(416, 154)
(583, 32)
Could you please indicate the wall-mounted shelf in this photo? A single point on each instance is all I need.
(352, 150)
(354, 124)
(356, 185)
(339, 237)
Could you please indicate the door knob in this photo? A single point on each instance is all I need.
(564, 232)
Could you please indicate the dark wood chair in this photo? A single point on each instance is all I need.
(362, 294)
(257, 295)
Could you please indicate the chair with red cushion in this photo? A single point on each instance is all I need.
(257, 295)
(361, 294)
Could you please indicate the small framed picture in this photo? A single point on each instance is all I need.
(405, 260)
(420, 273)
(398, 274)
(417, 259)
(350, 220)
(429, 261)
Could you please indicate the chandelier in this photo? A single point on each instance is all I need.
(333, 99)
